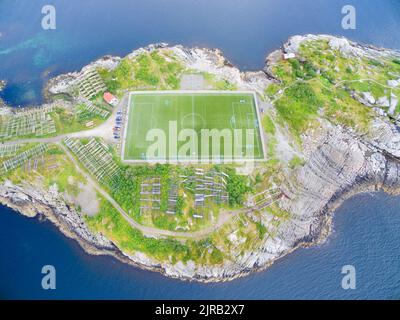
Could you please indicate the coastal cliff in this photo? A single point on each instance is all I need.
(338, 161)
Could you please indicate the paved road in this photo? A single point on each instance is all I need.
(105, 131)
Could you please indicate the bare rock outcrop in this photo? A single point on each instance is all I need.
(32, 201)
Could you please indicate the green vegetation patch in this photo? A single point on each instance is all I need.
(298, 107)
(268, 125)
(149, 70)
(218, 84)
(53, 168)
(110, 223)
(126, 189)
(321, 83)
(222, 112)
(67, 121)
(115, 227)
(295, 162)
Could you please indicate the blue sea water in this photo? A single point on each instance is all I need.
(366, 227)
(366, 235)
(245, 30)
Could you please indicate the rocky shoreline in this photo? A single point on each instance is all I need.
(340, 164)
(34, 209)
(2, 104)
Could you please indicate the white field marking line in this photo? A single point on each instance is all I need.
(185, 161)
(260, 132)
(201, 92)
(193, 121)
(240, 106)
(195, 92)
(130, 146)
(252, 125)
(125, 129)
(276, 98)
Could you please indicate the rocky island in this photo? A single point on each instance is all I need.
(328, 112)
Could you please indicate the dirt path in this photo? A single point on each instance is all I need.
(102, 131)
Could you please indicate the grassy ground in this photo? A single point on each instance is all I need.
(67, 121)
(190, 111)
(218, 84)
(320, 83)
(235, 238)
(148, 71)
(57, 169)
(126, 191)
(110, 223)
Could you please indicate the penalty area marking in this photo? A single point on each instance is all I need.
(244, 101)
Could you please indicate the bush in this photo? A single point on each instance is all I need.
(375, 63)
(237, 187)
(262, 230)
(302, 92)
(310, 70)
(328, 76)
(396, 61)
(296, 161)
(298, 106)
(304, 71)
(268, 125)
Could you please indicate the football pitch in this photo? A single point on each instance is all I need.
(193, 126)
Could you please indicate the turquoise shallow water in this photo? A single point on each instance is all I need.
(366, 227)
(246, 31)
